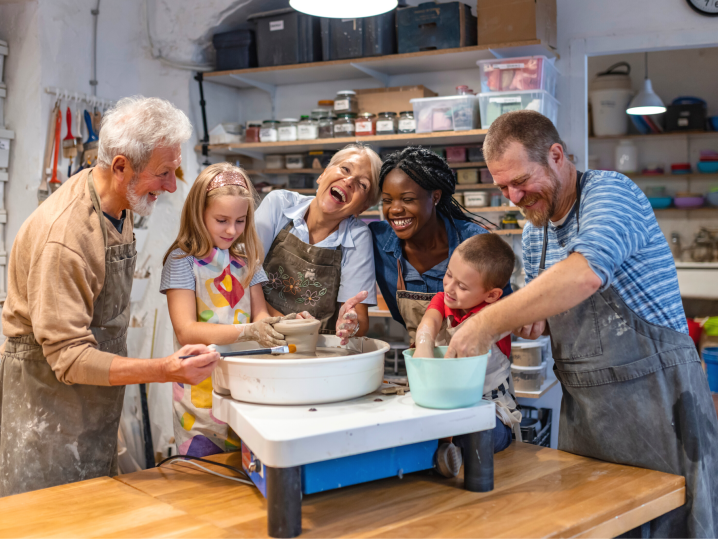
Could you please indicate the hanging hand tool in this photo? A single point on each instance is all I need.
(43, 192)
(54, 183)
(89, 157)
(69, 150)
(97, 121)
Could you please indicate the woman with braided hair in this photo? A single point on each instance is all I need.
(422, 227)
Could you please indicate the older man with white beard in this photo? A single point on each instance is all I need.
(63, 367)
(602, 282)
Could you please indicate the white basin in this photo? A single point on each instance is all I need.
(302, 381)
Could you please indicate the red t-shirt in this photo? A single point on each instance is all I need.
(438, 304)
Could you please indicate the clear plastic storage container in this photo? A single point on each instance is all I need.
(407, 122)
(308, 128)
(512, 74)
(494, 105)
(326, 127)
(452, 113)
(528, 378)
(269, 133)
(386, 123)
(287, 130)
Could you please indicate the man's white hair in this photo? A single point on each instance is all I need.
(137, 125)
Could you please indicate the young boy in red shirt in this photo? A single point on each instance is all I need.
(477, 272)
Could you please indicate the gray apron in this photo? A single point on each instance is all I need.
(52, 433)
(634, 393)
(303, 277)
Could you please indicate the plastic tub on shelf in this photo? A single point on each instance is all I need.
(494, 105)
(522, 73)
(451, 113)
(527, 354)
(528, 378)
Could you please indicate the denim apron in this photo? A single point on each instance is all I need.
(634, 393)
(54, 433)
(303, 277)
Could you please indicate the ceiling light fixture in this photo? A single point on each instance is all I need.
(646, 101)
(343, 9)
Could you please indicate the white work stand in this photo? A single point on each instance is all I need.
(284, 438)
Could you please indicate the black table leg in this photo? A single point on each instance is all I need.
(284, 502)
(479, 461)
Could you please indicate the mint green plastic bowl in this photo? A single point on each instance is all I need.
(445, 383)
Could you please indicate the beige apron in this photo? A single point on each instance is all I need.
(52, 433)
(498, 385)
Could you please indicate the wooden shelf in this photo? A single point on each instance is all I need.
(661, 135)
(706, 209)
(380, 67)
(475, 187)
(548, 384)
(486, 209)
(278, 171)
(300, 146)
(671, 177)
(379, 314)
(510, 232)
(477, 164)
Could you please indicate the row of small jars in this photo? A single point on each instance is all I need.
(343, 125)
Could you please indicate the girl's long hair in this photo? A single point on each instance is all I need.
(194, 238)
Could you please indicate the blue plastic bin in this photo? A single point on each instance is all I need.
(445, 383)
(710, 356)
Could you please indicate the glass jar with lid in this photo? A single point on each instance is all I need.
(407, 123)
(287, 130)
(344, 125)
(365, 125)
(346, 101)
(386, 123)
(308, 128)
(326, 127)
(269, 132)
(251, 133)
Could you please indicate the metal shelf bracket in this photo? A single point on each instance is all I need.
(271, 89)
(381, 77)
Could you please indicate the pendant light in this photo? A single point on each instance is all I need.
(343, 9)
(646, 101)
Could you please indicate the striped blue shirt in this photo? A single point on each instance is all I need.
(178, 273)
(623, 244)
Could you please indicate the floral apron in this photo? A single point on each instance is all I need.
(303, 277)
(53, 433)
(634, 393)
(221, 299)
(498, 385)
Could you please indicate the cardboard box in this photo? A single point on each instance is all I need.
(507, 21)
(397, 99)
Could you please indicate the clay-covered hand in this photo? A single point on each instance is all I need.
(531, 331)
(304, 315)
(348, 320)
(295, 316)
(262, 332)
(192, 370)
(473, 338)
(424, 343)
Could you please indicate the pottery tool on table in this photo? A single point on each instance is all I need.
(259, 351)
(69, 148)
(89, 156)
(54, 183)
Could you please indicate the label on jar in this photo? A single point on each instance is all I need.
(288, 132)
(508, 66)
(276, 25)
(308, 132)
(385, 125)
(268, 134)
(364, 127)
(341, 104)
(407, 125)
(343, 128)
(516, 99)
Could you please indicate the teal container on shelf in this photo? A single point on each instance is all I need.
(445, 383)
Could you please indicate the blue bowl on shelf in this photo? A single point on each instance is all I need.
(660, 203)
(708, 167)
(712, 198)
(713, 121)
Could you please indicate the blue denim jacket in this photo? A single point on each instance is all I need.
(387, 250)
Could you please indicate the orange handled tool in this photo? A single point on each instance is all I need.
(54, 182)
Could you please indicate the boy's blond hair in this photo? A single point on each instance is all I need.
(491, 256)
(194, 238)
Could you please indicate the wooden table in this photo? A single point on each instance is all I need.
(539, 492)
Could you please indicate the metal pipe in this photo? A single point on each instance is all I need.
(93, 82)
(199, 77)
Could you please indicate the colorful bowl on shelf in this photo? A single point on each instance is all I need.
(713, 198)
(713, 120)
(688, 202)
(660, 203)
(708, 167)
(681, 168)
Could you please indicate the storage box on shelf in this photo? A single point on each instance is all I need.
(686, 114)
(431, 25)
(6, 136)
(3, 95)
(450, 113)
(522, 73)
(495, 104)
(358, 38)
(502, 21)
(286, 36)
(397, 99)
(235, 50)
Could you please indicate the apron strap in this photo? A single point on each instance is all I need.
(400, 285)
(579, 181)
(97, 206)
